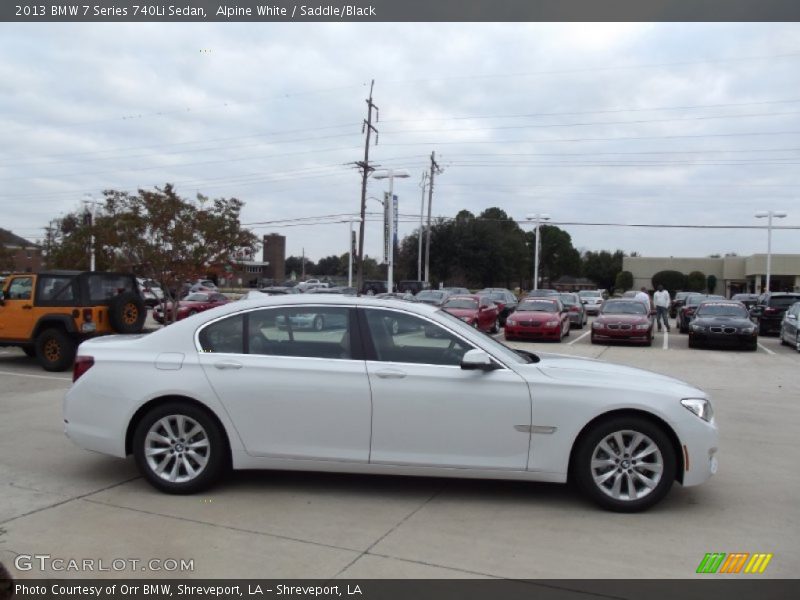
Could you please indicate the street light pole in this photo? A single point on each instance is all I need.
(93, 202)
(350, 251)
(390, 174)
(538, 217)
(421, 215)
(769, 214)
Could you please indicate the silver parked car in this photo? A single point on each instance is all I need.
(790, 326)
(575, 309)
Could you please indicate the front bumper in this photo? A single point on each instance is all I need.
(723, 339)
(531, 332)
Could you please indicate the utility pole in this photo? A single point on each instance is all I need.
(434, 169)
(421, 215)
(366, 169)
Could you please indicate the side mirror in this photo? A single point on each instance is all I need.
(478, 360)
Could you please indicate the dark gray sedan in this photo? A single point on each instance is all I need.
(575, 309)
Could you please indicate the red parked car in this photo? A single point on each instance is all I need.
(191, 305)
(623, 320)
(478, 311)
(538, 318)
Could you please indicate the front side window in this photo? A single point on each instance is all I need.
(404, 338)
(20, 288)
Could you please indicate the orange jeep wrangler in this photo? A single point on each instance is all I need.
(48, 314)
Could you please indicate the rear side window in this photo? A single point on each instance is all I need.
(224, 336)
(56, 289)
(302, 332)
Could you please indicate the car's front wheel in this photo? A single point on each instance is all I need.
(625, 464)
(179, 448)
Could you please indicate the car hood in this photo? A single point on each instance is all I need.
(588, 371)
(633, 319)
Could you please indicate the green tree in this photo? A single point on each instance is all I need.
(557, 255)
(330, 266)
(602, 267)
(157, 234)
(671, 280)
(624, 281)
(696, 281)
(711, 283)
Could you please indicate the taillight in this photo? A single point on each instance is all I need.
(770, 310)
(82, 364)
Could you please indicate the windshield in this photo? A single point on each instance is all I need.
(461, 303)
(589, 294)
(497, 297)
(537, 306)
(722, 310)
(495, 347)
(783, 301)
(632, 307)
(430, 295)
(569, 299)
(197, 297)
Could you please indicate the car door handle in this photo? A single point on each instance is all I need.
(390, 374)
(228, 364)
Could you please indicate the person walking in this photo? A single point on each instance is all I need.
(661, 300)
(643, 296)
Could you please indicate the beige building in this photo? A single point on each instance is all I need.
(735, 274)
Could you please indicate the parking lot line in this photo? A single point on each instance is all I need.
(36, 376)
(765, 349)
(665, 345)
(580, 337)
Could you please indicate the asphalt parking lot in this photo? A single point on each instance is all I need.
(62, 501)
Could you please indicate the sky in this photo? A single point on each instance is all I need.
(660, 124)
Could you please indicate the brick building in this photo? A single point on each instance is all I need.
(18, 255)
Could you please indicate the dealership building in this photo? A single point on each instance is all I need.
(735, 274)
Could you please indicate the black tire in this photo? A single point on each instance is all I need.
(589, 444)
(319, 323)
(29, 351)
(127, 313)
(692, 343)
(55, 349)
(496, 326)
(753, 347)
(216, 456)
(783, 341)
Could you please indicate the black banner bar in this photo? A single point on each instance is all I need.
(740, 588)
(90, 11)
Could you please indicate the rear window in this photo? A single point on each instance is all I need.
(783, 301)
(104, 286)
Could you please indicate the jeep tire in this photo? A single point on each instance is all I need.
(55, 349)
(127, 313)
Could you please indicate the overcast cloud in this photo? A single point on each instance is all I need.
(623, 123)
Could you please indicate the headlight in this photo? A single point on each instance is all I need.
(748, 330)
(510, 321)
(643, 327)
(597, 325)
(700, 407)
(552, 323)
(698, 328)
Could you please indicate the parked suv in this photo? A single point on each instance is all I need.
(769, 310)
(48, 314)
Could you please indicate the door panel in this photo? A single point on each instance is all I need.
(16, 315)
(295, 394)
(431, 414)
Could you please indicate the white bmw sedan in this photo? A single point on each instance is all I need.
(238, 386)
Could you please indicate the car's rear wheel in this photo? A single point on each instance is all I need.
(179, 448)
(625, 464)
(797, 341)
(55, 350)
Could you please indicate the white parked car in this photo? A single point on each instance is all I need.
(239, 385)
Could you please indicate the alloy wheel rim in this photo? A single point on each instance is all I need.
(130, 314)
(627, 465)
(52, 350)
(177, 448)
